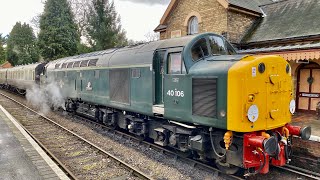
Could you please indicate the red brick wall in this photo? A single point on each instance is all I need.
(6, 65)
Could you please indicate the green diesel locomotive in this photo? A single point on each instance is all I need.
(193, 94)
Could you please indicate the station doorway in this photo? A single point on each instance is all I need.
(308, 87)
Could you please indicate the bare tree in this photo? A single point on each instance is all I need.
(35, 23)
(151, 36)
(80, 9)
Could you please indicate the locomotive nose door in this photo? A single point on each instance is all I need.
(175, 86)
(158, 68)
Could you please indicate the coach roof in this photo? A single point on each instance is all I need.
(24, 67)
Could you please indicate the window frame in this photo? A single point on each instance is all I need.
(230, 50)
(193, 25)
(183, 69)
(208, 49)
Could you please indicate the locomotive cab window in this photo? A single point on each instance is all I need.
(230, 49)
(200, 50)
(176, 64)
(217, 45)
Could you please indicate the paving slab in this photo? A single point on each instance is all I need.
(308, 119)
(20, 156)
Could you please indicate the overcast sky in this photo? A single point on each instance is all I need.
(138, 17)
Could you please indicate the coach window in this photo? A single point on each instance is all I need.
(200, 50)
(176, 64)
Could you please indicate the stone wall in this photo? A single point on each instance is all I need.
(238, 25)
(163, 35)
(213, 17)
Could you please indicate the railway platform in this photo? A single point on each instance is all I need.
(308, 119)
(306, 154)
(20, 156)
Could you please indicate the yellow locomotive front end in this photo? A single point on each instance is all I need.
(260, 105)
(260, 94)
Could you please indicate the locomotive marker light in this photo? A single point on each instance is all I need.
(292, 106)
(251, 98)
(223, 113)
(253, 113)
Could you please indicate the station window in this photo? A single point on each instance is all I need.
(176, 65)
(193, 26)
(200, 49)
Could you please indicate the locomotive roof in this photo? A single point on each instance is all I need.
(141, 54)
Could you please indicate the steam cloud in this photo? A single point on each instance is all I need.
(150, 2)
(46, 97)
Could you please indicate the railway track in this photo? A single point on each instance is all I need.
(290, 169)
(166, 151)
(78, 157)
(302, 172)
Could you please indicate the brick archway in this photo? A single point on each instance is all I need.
(191, 14)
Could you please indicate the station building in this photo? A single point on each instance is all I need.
(288, 28)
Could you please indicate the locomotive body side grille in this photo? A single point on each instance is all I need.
(204, 97)
(119, 83)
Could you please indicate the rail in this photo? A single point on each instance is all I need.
(131, 169)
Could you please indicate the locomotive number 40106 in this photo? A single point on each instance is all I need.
(175, 93)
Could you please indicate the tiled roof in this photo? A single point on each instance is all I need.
(286, 20)
(160, 27)
(315, 45)
(252, 5)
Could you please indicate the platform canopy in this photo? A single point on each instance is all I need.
(309, 51)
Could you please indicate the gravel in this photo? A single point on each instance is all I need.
(156, 164)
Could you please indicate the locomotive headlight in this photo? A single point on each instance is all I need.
(292, 106)
(253, 113)
(251, 98)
